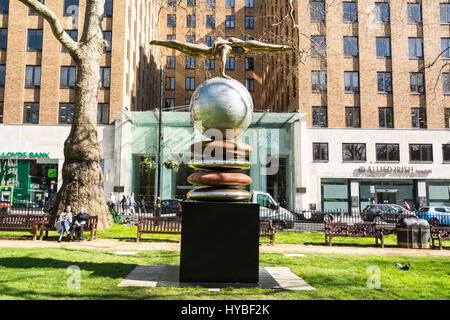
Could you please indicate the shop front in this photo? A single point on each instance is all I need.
(270, 135)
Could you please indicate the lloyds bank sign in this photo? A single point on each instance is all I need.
(25, 155)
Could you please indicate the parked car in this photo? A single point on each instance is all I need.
(314, 216)
(171, 207)
(435, 215)
(385, 213)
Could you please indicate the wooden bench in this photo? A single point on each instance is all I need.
(342, 229)
(26, 223)
(173, 226)
(91, 227)
(439, 233)
(266, 230)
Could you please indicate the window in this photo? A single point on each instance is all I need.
(1, 112)
(191, 3)
(319, 81)
(209, 41)
(354, 152)
(388, 152)
(71, 7)
(169, 103)
(230, 64)
(170, 83)
(190, 20)
(108, 8)
(190, 83)
(34, 40)
(447, 117)
(229, 4)
(33, 77)
(385, 117)
(249, 3)
(103, 113)
(319, 117)
(350, 47)
(210, 64)
(171, 3)
(352, 117)
(107, 35)
(4, 6)
(320, 151)
(384, 80)
(3, 39)
(210, 21)
(317, 9)
(250, 84)
(190, 62)
(249, 63)
(416, 83)
(382, 12)
(31, 12)
(229, 22)
(31, 112)
(172, 20)
(445, 150)
(351, 79)
(445, 48)
(65, 113)
(190, 39)
(68, 75)
(249, 22)
(105, 77)
(419, 118)
(415, 48)
(383, 47)
(211, 3)
(187, 104)
(414, 13)
(420, 152)
(171, 37)
(73, 34)
(318, 46)
(350, 11)
(170, 62)
(445, 13)
(446, 83)
(2, 75)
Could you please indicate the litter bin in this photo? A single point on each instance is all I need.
(413, 233)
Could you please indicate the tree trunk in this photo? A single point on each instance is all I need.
(82, 174)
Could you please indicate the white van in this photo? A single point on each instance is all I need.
(269, 209)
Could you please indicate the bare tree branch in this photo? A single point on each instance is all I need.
(57, 29)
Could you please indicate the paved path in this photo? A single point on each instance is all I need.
(111, 244)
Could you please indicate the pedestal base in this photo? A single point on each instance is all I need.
(220, 242)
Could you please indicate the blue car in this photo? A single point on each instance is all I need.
(438, 215)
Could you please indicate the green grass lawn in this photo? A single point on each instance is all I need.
(128, 233)
(42, 274)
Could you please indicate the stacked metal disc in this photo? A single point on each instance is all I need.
(221, 109)
(219, 169)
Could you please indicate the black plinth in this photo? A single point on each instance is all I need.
(220, 242)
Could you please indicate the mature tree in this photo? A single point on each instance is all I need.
(82, 174)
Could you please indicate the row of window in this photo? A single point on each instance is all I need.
(380, 12)
(67, 77)
(190, 84)
(210, 64)
(70, 8)
(383, 47)
(384, 82)
(35, 36)
(191, 21)
(385, 152)
(211, 3)
(385, 117)
(31, 113)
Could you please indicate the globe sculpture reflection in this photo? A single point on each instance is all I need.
(221, 109)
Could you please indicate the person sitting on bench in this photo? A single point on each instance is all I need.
(79, 222)
(64, 222)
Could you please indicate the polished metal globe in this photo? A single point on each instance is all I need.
(222, 104)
